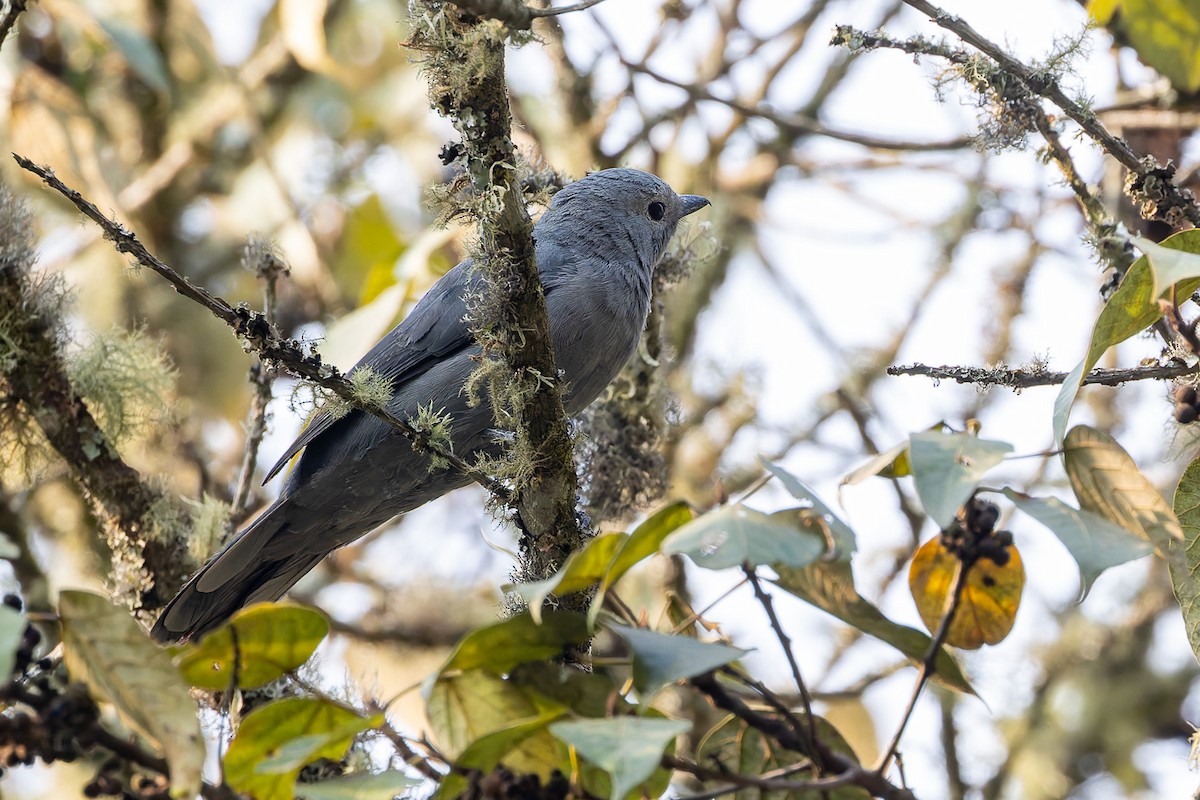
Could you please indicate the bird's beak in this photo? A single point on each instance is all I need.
(692, 203)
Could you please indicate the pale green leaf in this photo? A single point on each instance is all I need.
(733, 535)
(1095, 543)
(106, 649)
(358, 786)
(1168, 265)
(628, 748)
(272, 640)
(659, 659)
(843, 536)
(139, 53)
(947, 468)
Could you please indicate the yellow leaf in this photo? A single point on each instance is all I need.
(989, 602)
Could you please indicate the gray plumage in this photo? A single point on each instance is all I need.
(596, 246)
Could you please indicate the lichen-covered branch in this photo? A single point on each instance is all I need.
(464, 61)
(515, 14)
(256, 333)
(1150, 184)
(143, 527)
(1026, 377)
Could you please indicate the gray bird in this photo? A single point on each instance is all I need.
(596, 245)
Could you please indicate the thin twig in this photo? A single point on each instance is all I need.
(841, 765)
(515, 14)
(262, 257)
(785, 642)
(256, 334)
(928, 664)
(537, 13)
(1024, 378)
(15, 7)
(795, 125)
(768, 781)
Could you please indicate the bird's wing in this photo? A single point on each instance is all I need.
(433, 330)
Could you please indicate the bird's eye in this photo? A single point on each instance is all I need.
(656, 211)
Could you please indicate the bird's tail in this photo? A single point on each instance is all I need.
(258, 565)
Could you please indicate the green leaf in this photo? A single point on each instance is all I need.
(274, 741)
(1095, 543)
(1168, 266)
(491, 748)
(841, 533)
(588, 694)
(272, 640)
(1132, 308)
(106, 649)
(830, 587)
(627, 748)
(733, 535)
(140, 54)
(745, 750)
(12, 631)
(647, 538)
(359, 786)
(583, 569)
(947, 467)
(1107, 481)
(502, 645)
(1165, 34)
(466, 708)
(644, 542)
(1186, 505)
(659, 659)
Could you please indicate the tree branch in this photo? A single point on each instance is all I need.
(1150, 184)
(515, 14)
(15, 7)
(142, 526)
(836, 763)
(509, 320)
(256, 333)
(1026, 377)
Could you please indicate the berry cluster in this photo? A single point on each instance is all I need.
(502, 784)
(1187, 405)
(973, 536)
(46, 718)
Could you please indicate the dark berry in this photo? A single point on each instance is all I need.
(1186, 415)
(1185, 395)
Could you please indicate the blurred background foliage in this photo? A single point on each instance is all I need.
(854, 225)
